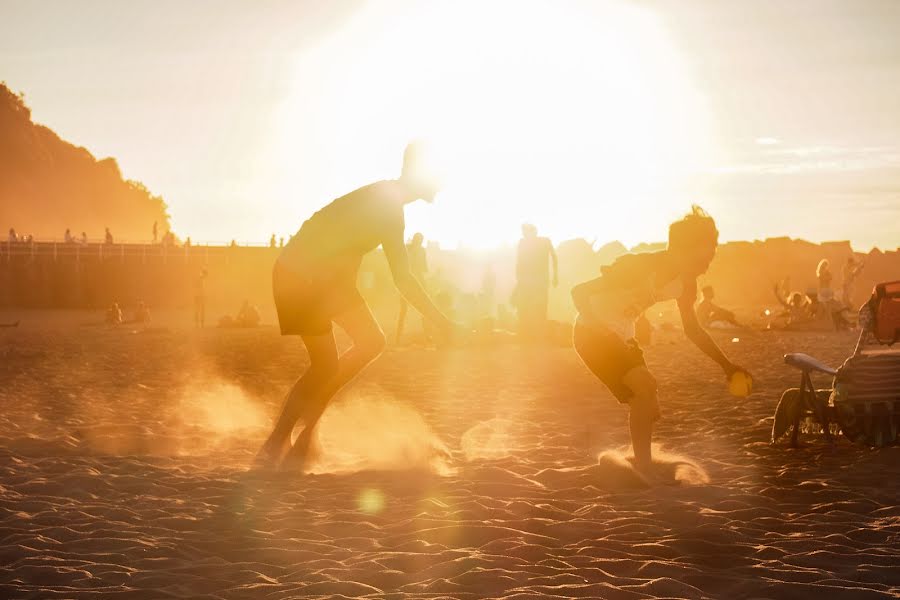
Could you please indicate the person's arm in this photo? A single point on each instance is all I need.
(699, 336)
(581, 297)
(409, 286)
(781, 300)
(555, 262)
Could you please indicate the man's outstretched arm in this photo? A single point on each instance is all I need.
(701, 337)
(409, 286)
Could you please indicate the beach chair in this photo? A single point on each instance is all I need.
(863, 402)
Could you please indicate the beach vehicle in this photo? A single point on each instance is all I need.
(863, 402)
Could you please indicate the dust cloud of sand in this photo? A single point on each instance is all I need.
(209, 416)
(616, 469)
(490, 440)
(222, 411)
(371, 431)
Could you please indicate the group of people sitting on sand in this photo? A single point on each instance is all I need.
(247, 316)
(115, 316)
(819, 307)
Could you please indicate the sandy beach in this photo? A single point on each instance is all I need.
(493, 472)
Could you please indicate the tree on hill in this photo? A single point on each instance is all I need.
(48, 185)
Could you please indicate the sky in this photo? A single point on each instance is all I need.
(602, 119)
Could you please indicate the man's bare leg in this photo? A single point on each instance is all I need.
(368, 343)
(644, 412)
(322, 368)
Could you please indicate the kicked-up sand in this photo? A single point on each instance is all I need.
(465, 473)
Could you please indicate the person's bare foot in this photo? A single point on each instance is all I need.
(272, 453)
(305, 450)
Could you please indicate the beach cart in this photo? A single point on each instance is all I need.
(863, 402)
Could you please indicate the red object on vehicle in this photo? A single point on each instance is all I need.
(886, 311)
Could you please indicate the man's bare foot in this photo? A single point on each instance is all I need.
(305, 450)
(272, 453)
(654, 474)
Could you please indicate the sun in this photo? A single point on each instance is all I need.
(568, 116)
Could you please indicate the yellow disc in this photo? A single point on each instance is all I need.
(740, 384)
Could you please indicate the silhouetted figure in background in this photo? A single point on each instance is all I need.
(418, 266)
(114, 314)
(709, 313)
(248, 315)
(823, 274)
(70, 239)
(155, 232)
(109, 237)
(281, 242)
(141, 313)
(608, 306)
(84, 239)
(851, 270)
(314, 284)
(798, 311)
(272, 241)
(200, 299)
(13, 237)
(532, 282)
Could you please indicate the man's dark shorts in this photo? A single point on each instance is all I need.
(608, 357)
(308, 301)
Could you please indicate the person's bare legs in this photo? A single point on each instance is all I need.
(644, 412)
(323, 366)
(368, 343)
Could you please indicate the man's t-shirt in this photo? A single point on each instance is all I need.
(630, 286)
(337, 236)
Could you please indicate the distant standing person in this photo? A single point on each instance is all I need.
(155, 232)
(418, 266)
(13, 237)
(852, 269)
(314, 283)
(70, 239)
(200, 299)
(533, 257)
(824, 277)
(109, 237)
(272, 241)
(84, 239)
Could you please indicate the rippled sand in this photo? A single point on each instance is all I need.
(499, 472)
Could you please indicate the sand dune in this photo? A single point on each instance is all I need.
(496, 473)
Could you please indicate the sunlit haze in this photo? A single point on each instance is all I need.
(601, 120)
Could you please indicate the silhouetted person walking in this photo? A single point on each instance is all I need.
(531, 296)
(418, 266)
(109, 237)
(314, 284)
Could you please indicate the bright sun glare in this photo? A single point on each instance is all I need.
(571, 116)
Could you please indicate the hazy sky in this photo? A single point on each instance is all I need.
(596, 119)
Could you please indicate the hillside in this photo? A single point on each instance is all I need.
(48, 184)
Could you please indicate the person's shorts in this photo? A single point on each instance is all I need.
(609, 358)
(308, 302)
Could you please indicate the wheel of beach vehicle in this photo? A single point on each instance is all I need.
(791, 407)
(866, 399)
